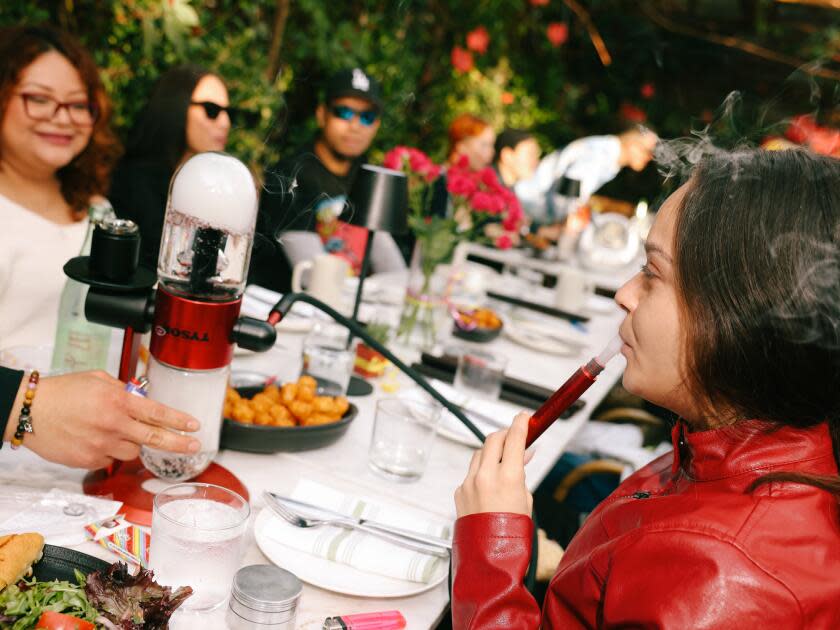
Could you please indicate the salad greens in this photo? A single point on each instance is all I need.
(112, 598)
(21, 604)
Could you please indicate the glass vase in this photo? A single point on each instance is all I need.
(425, 311)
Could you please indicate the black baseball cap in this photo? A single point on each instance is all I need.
(353, 82)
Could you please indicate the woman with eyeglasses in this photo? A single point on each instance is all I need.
(188, 112)
(56, 152)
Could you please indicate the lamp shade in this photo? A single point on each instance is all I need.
(379, 200)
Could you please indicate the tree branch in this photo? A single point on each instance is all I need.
(739, 44)
(594, 35)
(281, 16)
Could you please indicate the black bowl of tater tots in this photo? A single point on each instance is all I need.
(283, 417)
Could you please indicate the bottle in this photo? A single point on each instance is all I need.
(80, 344)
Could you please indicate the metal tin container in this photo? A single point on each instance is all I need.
(263, 596)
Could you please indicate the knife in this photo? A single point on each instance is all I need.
(427, 539)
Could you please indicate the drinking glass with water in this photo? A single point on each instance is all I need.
(198, 530)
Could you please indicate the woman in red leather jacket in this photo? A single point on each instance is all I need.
(733, 323)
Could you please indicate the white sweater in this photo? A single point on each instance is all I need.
(33, 251)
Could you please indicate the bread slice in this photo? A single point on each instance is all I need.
(18, 552)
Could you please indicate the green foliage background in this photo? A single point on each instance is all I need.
(561, 92)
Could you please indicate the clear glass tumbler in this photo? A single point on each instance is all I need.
(198, 530)
(403, 433)
(480, 373)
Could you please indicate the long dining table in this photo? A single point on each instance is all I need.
(343, 465)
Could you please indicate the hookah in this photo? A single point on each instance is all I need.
(193, 316)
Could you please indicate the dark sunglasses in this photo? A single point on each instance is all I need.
(367, 117)
(214, 109)
(234, 113)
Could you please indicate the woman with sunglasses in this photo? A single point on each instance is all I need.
(56, 152)
(187, 113)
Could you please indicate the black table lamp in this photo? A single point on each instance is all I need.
(378, 201)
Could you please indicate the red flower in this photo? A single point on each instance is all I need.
(482, 201)
(487, 176)
(394, 158)
(478, 39)
(462, 60)
(507, 98)
(557, 33)
(538, 3)
(648, 91)
(460, 183)
(630, 112)
(504, 242)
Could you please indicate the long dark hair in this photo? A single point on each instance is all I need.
(89, 172)
(758, 272)
(160, 132)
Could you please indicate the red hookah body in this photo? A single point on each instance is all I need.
(191, 334)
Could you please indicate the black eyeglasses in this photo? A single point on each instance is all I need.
(44, 108)
(367, 116)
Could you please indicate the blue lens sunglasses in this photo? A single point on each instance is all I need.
(367, 117)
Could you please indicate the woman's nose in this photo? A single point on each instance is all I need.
(627, 296)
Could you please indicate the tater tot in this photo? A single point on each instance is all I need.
(305, 394)
(341, 405)
(243, 412)
(300, 410)
(273, 392)
(232, 395)
(307, 381)
(280, 413)
(317, 419)
(264, 418)
(261, 402)
(322, 404)
(288, 393)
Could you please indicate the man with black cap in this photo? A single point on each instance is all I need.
(303, 203)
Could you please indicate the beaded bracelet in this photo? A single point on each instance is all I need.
(25, 420)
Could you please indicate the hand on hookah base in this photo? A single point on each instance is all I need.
(87, 420)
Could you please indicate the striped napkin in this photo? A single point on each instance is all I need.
(362, 551)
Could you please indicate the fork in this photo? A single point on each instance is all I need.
(298, 520)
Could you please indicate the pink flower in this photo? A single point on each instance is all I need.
(459, 183)
(632, 113)
(433, 173)
(648, 91)
(504, 242)
(486, 202)
(394, 158)
(557, 33)
(488, 177)
(462, 60)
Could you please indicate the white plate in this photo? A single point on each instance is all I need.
(531, 336)
(334, 576)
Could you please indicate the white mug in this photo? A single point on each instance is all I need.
(574, 286)
(326, 278)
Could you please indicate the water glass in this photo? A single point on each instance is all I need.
(403, 433)
(198, 531)
(480, 373)
(327, 358)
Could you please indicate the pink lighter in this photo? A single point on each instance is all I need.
(386, 620)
